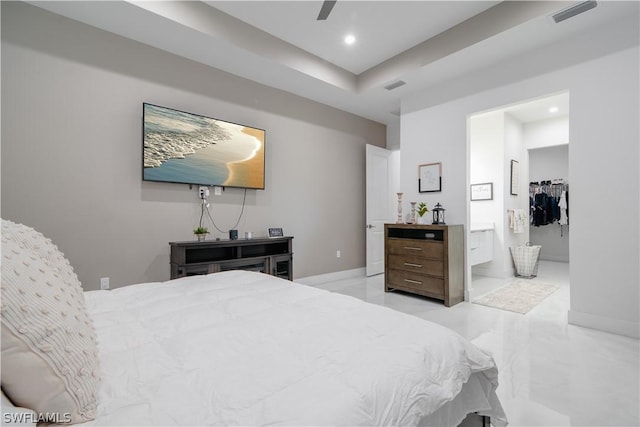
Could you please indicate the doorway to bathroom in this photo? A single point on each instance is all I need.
(518, 175)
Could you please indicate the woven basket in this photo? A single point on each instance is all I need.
(525, 260)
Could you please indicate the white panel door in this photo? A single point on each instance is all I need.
(378, 209)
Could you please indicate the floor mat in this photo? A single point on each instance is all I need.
(520, 296)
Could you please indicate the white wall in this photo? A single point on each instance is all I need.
(495, 139)
(546, 133)
(72, 141)
(604, 129)
(604, 133)
(426, 140)
(486, 145)
(514, 149)
(486, 164)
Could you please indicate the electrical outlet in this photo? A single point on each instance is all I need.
(104, 283)
(217, 191)
(338, 254)
(203, 192)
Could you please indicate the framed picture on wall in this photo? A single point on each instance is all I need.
(515, 177)
(430, 177)
(482, 191)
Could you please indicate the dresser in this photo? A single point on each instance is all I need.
(426, 260)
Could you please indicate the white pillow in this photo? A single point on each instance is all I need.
(49, 350)
(14, 416)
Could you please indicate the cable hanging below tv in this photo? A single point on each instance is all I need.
(186, 148)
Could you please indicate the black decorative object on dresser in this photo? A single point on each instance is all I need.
(272, 256)
(427, 260)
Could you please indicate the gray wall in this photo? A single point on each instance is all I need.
(71, 153)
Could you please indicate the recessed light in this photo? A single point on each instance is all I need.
(553, 109)
(350, 39)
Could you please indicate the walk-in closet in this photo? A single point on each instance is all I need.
(549, 194)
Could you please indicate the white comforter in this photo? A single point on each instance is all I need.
(241, 348)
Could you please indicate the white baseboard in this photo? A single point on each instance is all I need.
(607, 324)
(492, 272)
(330, 277)
(555, 258)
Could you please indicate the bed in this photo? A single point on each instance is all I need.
(239, 348)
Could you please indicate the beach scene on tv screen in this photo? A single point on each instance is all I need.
(188, 148)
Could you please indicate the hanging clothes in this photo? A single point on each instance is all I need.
(541, 209)
(563, 205)
(549, 203)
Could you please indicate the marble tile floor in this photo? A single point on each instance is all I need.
(551, 373)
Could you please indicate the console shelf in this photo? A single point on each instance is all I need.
(267, 255)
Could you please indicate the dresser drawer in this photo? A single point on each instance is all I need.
(432, 267)
(405, 279)
(416, 248)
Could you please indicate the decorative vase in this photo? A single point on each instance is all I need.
(412, 215)
(399, 220)
(420, 219)
(201, 237)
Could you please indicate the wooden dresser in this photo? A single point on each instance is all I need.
(426, 260)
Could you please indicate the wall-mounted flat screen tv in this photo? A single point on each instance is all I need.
(189, 148)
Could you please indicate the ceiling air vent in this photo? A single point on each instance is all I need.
(574, 10)
(395, 84)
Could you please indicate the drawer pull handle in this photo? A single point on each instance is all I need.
(415, 282)
(411, 248)
(410, 264)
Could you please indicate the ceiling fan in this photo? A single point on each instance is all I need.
(325, 10)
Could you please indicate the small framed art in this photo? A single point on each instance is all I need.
(515, 177)
(430, 177)
(482, 191)
(275, 232)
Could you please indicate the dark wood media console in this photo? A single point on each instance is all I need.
(267, 255)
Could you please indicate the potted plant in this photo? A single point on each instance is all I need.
(422, 209)
(201, 233)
